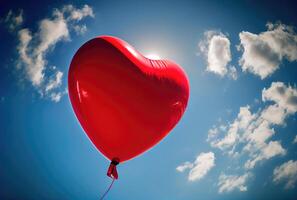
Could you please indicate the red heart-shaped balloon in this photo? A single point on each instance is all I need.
(125, 102)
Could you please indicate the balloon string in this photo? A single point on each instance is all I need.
(106, 192)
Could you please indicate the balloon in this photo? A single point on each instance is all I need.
(125, 102)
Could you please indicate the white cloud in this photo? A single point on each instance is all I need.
(216, 48)
(219, 54)
(274, 114)
(228, 183)
(287, 173)
(14, 20)
(56, 97)
(284, 96)
(200, 167)
(54, 83)
(250, 133)
(185, 166)
(73, 14)
(258, 133)
(33, 47)
(212, 133)
(273, 148)
(239, 125)
(233, 73)
(32, 56)
(50, 32)
(203, 163)
(264, 52)
(80, 30)
(295, 140)
(78, 14)
(25, 38)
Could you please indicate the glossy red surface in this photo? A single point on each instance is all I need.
(126, 103)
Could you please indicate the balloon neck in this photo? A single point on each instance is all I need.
(112, 169)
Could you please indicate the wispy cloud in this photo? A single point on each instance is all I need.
(253, 131)
(78, 14)
(295, 140)
(228, 183)
(249, 135)
(55, 82)
(287, 173)
(270, 150)
(200, 167)
(264, 52)
(13, 20)
(33, 48)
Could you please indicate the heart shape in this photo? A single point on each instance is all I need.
(125, 102)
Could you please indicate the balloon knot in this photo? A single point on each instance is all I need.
(112, 169)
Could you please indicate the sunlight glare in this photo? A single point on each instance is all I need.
(153, 56)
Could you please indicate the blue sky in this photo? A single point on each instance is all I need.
(235, 141)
